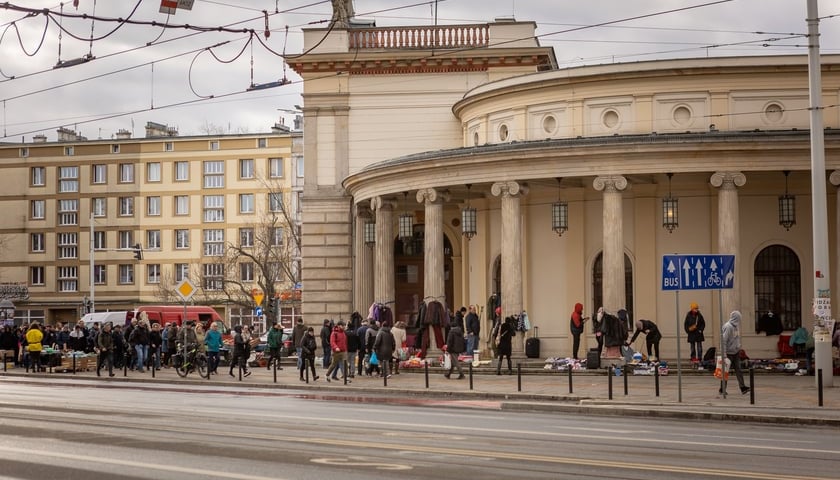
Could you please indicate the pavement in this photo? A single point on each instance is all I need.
(777, 398)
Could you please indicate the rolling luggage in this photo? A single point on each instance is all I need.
(532, 346)
(593, 360)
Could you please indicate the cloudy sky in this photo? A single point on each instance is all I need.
(147, 73)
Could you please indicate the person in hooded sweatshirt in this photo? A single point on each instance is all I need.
(732, 348)
(576, 326)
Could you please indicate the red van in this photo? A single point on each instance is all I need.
(165, 314)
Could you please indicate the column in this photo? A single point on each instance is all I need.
(511, 194)
(383, 279)
(433, 276)
(613, 260)
(729, 236)
(363, 263)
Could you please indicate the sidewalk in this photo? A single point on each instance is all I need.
(779, 398)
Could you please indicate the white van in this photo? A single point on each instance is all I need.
(116, 318)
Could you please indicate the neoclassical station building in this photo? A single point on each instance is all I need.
(454, 163)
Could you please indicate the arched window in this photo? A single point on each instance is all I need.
(778, 285)
(598, 284)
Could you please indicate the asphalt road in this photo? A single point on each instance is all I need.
(159, 431)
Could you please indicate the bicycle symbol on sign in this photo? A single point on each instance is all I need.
(714, 280)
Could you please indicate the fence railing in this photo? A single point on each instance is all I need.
(417, 37)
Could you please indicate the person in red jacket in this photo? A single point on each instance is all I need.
(338, 346)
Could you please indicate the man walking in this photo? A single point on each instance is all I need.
(298, 332)
(473, 330)
(454, 347)
(275, 342)
(732, 348)
(105, 343)
(338, 347)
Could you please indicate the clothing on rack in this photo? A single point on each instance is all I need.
(769, 323)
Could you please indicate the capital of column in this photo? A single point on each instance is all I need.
(728, 180)
(363, 211)
(379, 203)
(508, 189)
(834, 178)
(610, 183)
(432, 195)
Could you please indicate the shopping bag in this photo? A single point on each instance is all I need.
(374, 360)
(447, 361)
(402, 353)
(722, 368)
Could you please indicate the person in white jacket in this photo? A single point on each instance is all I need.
(732, 348)
(399, 340)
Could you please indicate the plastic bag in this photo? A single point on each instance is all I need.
(374, 360)
(722, 368)
(447, 361)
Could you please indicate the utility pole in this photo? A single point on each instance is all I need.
(92, 278)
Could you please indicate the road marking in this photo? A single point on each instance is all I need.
(347, 462)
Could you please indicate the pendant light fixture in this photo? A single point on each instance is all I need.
(559, 212)
(670, 209)
(468, 218)
(787, 206)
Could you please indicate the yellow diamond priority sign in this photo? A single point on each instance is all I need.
(185, 289)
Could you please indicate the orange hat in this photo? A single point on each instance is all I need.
(694, 306)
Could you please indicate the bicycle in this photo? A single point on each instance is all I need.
(190, 359)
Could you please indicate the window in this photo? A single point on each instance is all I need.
(262, 142)
(68, 245)
(99, 240)
(153, 239)
(246, 203)
(115, 148)
(68, 179)
(68, 279)
(214, 276)
(275, 202)
(299, 162)
(246, 237)
(126, 239)
(100, 276)
(598, 282)
(275, 167)
(182, 272)
(69, 151)
(100, 207)
(298, 206)
(68, 212)
(246, 168)
(214, 174)
(214, 208)
(39, 176)
(126, 206)
(214, 145)
(277, 237)
(182, 205)
(36, 276)
(168, 146)
(182, 239)
(778, 286)
(182, 171)
(99, 174)
(153, 206)
(126, 274)
(38, 208)
(153, 273)
(214, 242)
(126, 173)
(23, 152)
(36, 243)
(246, 272)
(153, 172)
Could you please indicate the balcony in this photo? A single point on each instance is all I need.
(420, 37)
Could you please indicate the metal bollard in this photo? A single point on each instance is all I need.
(5, 368)
(471, 376)
(240, 371)
(426, 365)
(752, 385)
(656, 378)
(153, 357)
(518, 376)
(385, 371)
(125, 364)
(820, 386)
(344, 370)
(610, 374)
(570, 380)
(275, 371)
(306, 371)
(626, 369)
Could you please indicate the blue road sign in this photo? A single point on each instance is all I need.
(698, 272)
(258, 311)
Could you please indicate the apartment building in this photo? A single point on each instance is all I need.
(76, 209)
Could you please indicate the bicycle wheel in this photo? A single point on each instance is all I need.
(200, 365)
(180, 368)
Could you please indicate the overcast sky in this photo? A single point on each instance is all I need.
(166, 82)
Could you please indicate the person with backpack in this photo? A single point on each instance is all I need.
(454, 347)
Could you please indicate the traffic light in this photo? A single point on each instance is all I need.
(138, 252)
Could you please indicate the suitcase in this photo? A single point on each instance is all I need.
(532, 346)
(593, 360)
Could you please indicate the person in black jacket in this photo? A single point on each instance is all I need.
(454, 347)
(326, 331)
(652, 337)
(473, 330)
(308, 347)
(694, 326)
(240, 357)
(503, 340)
(384, 345)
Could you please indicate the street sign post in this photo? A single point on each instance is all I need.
(697, 272)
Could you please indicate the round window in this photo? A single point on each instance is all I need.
(610, 119)
(773, 112)
(549, 124)
(503, 132)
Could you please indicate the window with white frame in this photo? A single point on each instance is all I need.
(38, 209)
(153, 206)
(68, 279)
(246, 203)
(126, 173)
(69, 151)
(100, 207)
(99, 240)
(214, 242)
(246, 237)
(275, 201)
(277, 237)
(182, 171)
(214, 144)
(115, 148)
(100, 274)
(262, 142)
(36, 276)
(182, 205)
(182, 239)
(214, 208)
(36, 243)
(68, 212)
(299, 168)
(182, 272)
(214, 174)
(126, 239)
(126, 206)
(126, 274)
(68, 179)
(246, 272)
(153, 239)
(39, 176)
(246, 168)
(153, 172)
(153, 273)
(68, 245)
(168, 146)
(275, 167)
(214, 276)
(99, 174)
